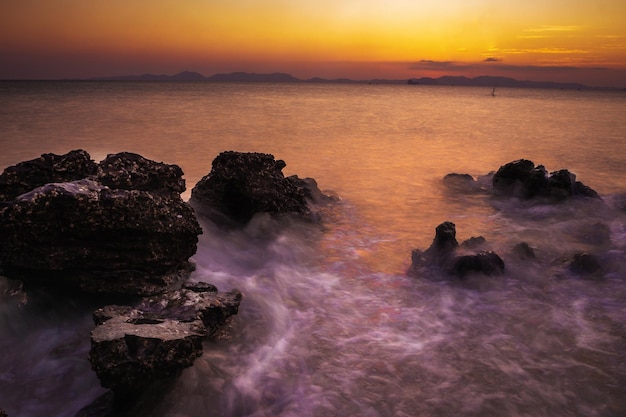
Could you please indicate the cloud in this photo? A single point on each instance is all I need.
(553, 28)
(427, 64)
(493, 63)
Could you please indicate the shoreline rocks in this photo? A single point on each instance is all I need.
(443, 255)
(131, 347)
(241, 185)
(133, 236)
(522, 179)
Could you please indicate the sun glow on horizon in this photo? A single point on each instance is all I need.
(372, 34)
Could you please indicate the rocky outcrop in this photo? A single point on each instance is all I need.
(131, 347)
(523, 251)
(443, 255)
(522, 179)
(243, 184)
(487, 263)
(48, 168)
(129, 171)
(123, 230)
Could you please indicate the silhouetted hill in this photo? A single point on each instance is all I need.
(278, 77)
(488, 81)
(182, 76)
(245, 77)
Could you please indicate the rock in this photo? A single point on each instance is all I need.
(523, 251)
(243, 184)
(440, 251)
(84, 235)
(130, 171)
(584, 264)
(474, 242)
(131, 347)
(487, 263)
(523, 180)
(463, 184)
(27, 175)
(442, 254)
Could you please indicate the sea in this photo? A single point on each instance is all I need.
(331, 324)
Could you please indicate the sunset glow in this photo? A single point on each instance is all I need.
(555, 40)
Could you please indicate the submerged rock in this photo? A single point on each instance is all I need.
(487, 263)
(442, 254)
(132, 347)
(243, 184)
(463, 184)
(522, 179)
(523, 251)
(133, 237)
(584, 264)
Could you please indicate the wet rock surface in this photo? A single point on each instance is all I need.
(443, 255)
(85, 235)
(131, 347)
(585, 265)
(243, 184)
(522, 179)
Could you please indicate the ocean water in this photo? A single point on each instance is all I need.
(331, 324)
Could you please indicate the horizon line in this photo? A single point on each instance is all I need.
(253, 77)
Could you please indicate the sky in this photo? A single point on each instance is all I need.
(543, 40)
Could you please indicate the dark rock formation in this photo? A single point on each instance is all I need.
(463, 184)
(134, 236)
(523, 180)
(129, 171)
(440, 251)
(487, 263)
(523, 251)
(84, 234)
(442, 254)
(584, 264)
(48, 168)
(133, 347)
(474, 242)
(243, 184)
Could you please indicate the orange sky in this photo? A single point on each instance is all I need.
(560, 40)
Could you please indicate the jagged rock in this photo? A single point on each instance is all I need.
(523, 180)
(85, 235)
(27, 175)
(243, 184)
(130, 171)
(440, 251)
(131, 347)
(442, 254)
(584, 264)
(487, 263)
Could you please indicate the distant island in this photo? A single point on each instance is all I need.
(277, 77)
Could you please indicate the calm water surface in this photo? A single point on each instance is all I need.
(330, 324)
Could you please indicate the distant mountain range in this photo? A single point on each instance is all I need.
(277, 77)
